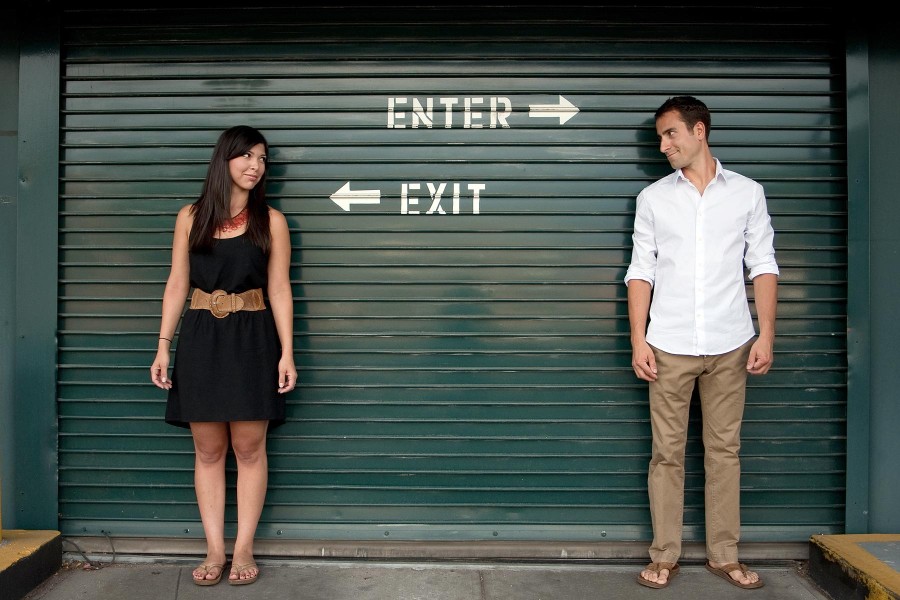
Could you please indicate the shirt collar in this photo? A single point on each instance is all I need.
(720, 173)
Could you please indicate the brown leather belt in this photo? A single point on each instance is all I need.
(221, 304)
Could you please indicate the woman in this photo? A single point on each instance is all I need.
(235, 351)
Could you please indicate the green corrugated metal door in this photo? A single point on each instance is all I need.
(460, 188)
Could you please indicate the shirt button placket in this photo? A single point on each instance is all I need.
(699, 278)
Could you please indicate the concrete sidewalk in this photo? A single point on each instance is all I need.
(143, 578)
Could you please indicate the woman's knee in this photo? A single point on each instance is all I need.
(210, 444)
(248, 443)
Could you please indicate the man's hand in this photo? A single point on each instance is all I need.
(760, 357)
(643, 362)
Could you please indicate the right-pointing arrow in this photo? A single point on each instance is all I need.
(345, 197)
(564, 110)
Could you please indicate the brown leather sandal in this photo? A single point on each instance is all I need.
(673, 569)
(239, 569)
(725, 573)
(207, 569)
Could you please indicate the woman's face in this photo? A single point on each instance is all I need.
(247, 169)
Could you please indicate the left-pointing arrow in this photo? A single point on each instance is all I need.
(345, 197)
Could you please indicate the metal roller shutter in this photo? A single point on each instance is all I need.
(462, 341)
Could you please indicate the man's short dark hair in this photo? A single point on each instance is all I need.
(690, 109)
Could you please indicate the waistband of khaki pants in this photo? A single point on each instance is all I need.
(221, 304)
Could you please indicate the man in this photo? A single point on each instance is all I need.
(694, 232)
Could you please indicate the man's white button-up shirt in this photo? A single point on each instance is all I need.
(692, 249)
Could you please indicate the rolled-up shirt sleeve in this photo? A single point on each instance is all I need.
(644, 251)
(760, 239)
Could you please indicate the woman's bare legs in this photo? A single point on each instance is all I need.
(248, 439)
(210, 449)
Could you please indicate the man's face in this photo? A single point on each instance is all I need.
(680, 144)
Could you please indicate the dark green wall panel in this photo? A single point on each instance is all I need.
(883, 222)
(462, 376)
(9, 183)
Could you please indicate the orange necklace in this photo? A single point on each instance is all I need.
(235, 222)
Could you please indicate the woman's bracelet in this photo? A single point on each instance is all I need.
(165, 338)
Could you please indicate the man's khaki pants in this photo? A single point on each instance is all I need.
(722, 381)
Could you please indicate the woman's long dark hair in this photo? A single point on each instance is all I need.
(213, 208)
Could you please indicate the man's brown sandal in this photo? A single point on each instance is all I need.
(673, 569)
(725, 573)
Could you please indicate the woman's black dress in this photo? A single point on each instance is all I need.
(227, 369)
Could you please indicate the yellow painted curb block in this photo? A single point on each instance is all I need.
(882, 581)
(20, 543)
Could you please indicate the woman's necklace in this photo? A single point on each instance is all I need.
(235, 222)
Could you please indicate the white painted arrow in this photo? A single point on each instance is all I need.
(565, 110)
(344, 197)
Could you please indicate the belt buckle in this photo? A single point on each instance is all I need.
(221, 312)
